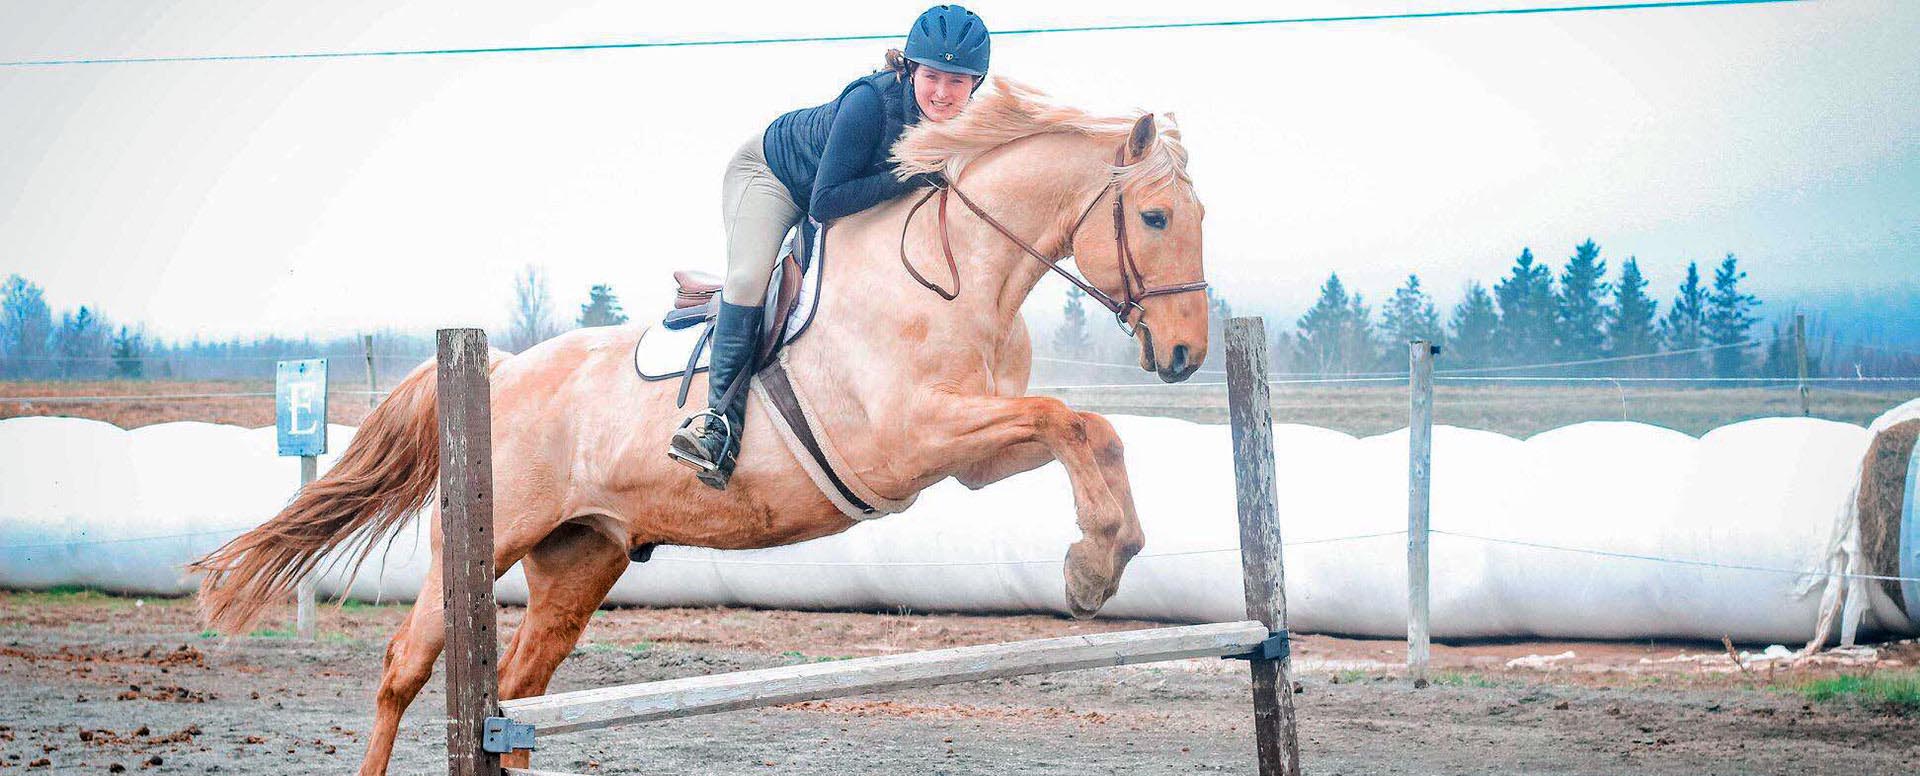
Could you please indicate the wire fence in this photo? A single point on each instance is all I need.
(1516, 399)
(722, 558)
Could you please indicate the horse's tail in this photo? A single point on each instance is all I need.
(386, 475)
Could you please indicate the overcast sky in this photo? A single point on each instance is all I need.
(329, 196)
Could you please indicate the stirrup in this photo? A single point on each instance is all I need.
(696, 463)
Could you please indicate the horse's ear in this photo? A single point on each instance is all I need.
(1144, 131)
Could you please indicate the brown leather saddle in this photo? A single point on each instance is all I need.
(696, 302)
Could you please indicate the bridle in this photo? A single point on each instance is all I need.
(1126, 310)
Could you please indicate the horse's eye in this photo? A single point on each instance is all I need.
(1154, 219)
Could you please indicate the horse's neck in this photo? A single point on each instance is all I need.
(882, 343)
(1029, 189)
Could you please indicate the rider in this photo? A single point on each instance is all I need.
(822, 162)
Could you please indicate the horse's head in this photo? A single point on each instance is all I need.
(1137, 243)
(1140, 245)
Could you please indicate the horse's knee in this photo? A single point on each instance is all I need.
(1107, 448)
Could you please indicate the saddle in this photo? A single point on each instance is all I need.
(696, 303)
(672, 351)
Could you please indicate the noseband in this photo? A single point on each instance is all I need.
(1133, 284)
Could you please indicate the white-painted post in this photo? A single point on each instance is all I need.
(1420, 355)
(305, 612)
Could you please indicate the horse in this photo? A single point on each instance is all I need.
(912, 386)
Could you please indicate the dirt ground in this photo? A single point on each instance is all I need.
(96, 684)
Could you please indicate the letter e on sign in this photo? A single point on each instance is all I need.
(300, 406)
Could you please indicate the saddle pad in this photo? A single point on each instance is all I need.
(662, 352)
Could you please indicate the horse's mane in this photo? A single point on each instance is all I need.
(1011, 110)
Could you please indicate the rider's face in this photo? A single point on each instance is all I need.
(941, 94)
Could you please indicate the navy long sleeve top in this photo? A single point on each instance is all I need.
(854, 173)
(833, 157)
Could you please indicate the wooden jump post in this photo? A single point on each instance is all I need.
(481, 728)
(1420, 355)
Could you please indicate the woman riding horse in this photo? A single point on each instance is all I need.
(822, 163)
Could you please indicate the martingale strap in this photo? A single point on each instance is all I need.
(1133, 283)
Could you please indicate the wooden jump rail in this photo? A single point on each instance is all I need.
(481, 728)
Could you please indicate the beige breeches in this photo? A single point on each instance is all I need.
(758, 211)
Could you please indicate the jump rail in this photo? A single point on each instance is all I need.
(571, 712)
(480, 728)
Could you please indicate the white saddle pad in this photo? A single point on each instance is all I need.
(662, 352)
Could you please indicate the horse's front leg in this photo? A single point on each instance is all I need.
(998, 437)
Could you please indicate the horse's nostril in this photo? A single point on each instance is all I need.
(1179, 359)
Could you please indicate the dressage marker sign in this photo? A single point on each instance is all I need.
(481, 728)
(300, 428)
(300, 406)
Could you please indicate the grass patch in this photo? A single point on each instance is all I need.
(1452, 679)
(1900, 689)
(67, 594)
(801, 657)
(600, 647)
(356, 605)
(272, 633)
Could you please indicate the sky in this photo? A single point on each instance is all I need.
(332, 196)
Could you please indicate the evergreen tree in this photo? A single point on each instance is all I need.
(1361, 344)
(1526, 302)
(1630, 318)
(1683, 328)
(1780, 358)
(1475, 326)
(1335, 336)
(1218, 311)
(1580, 314)
(1783, 359)
(129, 348)
(81, 342)
(1729, 315)
(1409, 316)
(602, 308)
(1070, 340)
(26, 329)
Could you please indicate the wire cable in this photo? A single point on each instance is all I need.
(1296, 20)
(1674, 561)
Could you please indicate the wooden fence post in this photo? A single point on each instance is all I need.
(466, 527)
(373, 383)
(1251, 410)
(1800, 353)
(1420, 355)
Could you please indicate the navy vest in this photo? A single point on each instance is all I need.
(795, 140)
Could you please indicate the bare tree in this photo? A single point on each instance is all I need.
(532, 321)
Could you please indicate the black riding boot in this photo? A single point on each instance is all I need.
(709, 442)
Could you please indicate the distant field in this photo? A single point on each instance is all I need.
(1517, 410)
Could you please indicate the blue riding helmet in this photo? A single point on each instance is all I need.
(949, 38)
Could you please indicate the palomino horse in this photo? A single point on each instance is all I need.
(911, 387)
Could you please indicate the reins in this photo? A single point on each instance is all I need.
(1133, 283)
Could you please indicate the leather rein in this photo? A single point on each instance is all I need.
(1133, 283)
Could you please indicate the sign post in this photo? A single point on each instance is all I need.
(300, 417)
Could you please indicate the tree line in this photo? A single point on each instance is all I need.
(1577, 322)
(83, 343)
(1530, 316)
